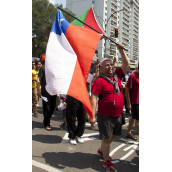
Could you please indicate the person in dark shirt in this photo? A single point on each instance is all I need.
(75, 109)
(49, 106)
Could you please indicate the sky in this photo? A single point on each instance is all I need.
(63, 2)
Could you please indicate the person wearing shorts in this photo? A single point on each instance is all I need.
(108, 88)
(109, 126)
(132, 96)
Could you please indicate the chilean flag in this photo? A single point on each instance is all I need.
(89, 18)
(69, 54)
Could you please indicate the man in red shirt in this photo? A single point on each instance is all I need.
(132, 96)
(108, 88)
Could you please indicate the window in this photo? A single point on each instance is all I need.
(105, 14)
(105, 8)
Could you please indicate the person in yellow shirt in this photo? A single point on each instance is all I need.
(33, 64)
(34, 87)
(49, 106)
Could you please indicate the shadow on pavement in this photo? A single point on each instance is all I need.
(37, 124)
(47, 138)
(128, 166)
(76, 160)
(58, 117)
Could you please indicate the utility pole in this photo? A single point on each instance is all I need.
(106, 26)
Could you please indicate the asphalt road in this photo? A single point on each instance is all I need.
(51, 150)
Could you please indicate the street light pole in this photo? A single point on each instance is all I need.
(113, 13)
(106, 26)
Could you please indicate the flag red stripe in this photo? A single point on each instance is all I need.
(84, 43)
(90, 20)
(77, 89)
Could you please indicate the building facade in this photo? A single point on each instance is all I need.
(110, 16)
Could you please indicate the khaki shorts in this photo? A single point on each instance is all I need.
(34, 98)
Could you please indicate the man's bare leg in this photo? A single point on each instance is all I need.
(130, 125)
(105, 146)
(112, 138)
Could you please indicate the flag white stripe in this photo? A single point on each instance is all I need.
(60, 63)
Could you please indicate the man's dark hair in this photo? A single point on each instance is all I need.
(37, 62)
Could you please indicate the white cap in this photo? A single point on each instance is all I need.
(105, 59)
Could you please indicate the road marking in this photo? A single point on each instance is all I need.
(44, 167)
(90, 138)
(136, 143)
(113, 151)
(134, 146)
(127, 155)
(131, 146)
(90, 134)
(89, 123)
(66, 139)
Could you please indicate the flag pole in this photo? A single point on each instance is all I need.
(90, 27)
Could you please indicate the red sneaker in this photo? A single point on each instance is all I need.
(99, 152)
(109, 166)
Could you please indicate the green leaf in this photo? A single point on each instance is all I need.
(43, 15)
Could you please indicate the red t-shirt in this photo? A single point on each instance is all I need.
(133, 84)
(92, 85)
(106, 105)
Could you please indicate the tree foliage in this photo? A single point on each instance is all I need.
(43, 15)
